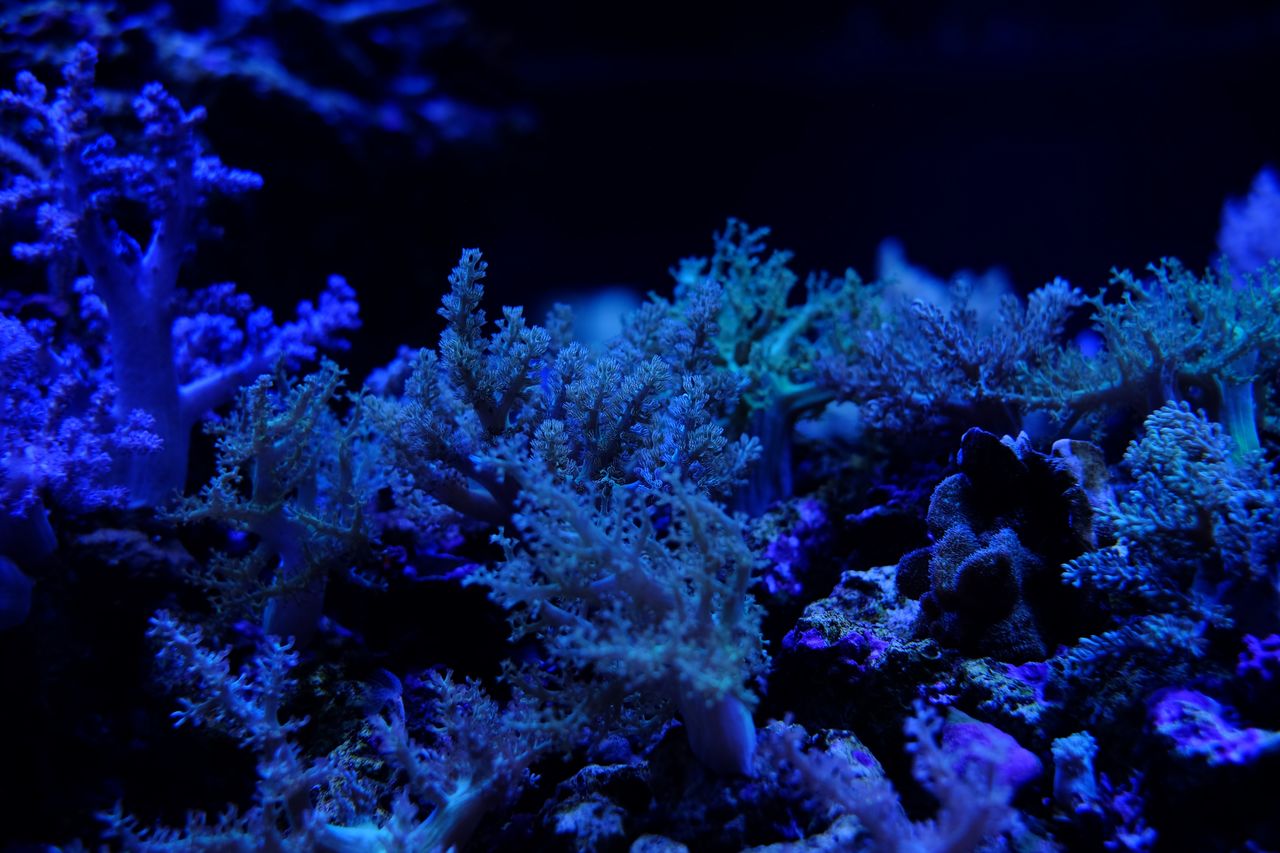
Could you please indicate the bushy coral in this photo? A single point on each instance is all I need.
(61, 443)
(1194, 534)
(923, 365)
(80, 181)
(1173, 337)
(973, 769)
(768, 335)
(591, 493)
(1099, 811)
(297, 478)
(478, 756)
(640, 595)
(630, 417)
(1186, 555)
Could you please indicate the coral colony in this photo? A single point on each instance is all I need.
(653, 627)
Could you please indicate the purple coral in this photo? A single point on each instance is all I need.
(77, 178)
(60, 442)
(1261, 657)
(1201, 727)
(1250, 234)
(786, 554)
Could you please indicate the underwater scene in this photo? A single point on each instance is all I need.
(430, 425)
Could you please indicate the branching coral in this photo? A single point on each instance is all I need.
(297, 478)
(650, 594)
(620, 419)
(1195, 533)
(60, 442)
(1176, 336)
(478, 757)
(973, 769)
(394, 58)
(767, 335)
(80, 187)
(1195, 552)
(923, 365)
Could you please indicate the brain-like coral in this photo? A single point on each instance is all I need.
(991, 582)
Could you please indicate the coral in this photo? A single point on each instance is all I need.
(79, 185)
(627, 418)
(1194, 535)
(646, 595)
(1261, 657)
(926, 366)
(1201, 727)
(990, 583)
(1124, 806)
(1250, 232)
(1187, 553)
(768, 335)
(973, 769)
(246, 706)
(61, 443)
(397, 60)
(1173, 337)
(1075, 782)
(459, 401)
(478, 757)
(297, 478)
(540, 581)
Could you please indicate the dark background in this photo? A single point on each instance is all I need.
(1049, 143)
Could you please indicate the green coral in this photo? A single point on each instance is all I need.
(769, 336)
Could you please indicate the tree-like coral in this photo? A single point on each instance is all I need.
(298, 479)
(1195, 530)
(626, 418)
(767, 336)
(923, 365)
(80, 187)
(648, 594)
(1174, 337)
(1195, 547)
(478, 757)
(60, 441)
(972, 768)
